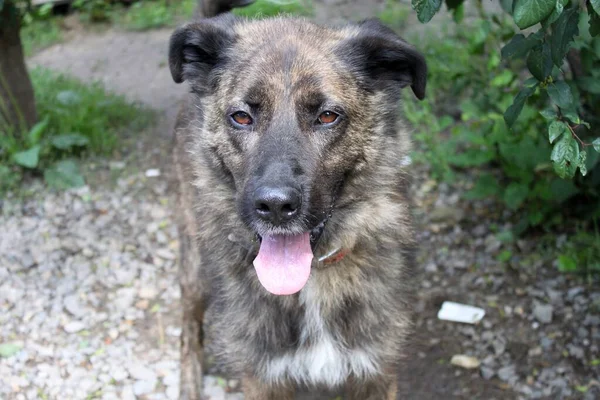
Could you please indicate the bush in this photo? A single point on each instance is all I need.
(523, 137)
(151, 14)
(270, 8)
(75, 120)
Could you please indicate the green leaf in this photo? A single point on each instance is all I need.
(502, 79)
(571, 115)
(581, 163)
(556, 129)
(512, 113)
(565, 157)
(595, 5)
(594, 21)
(589, 84)
(63, 175)
(566, 263)
(558, 9)
(66, 141)
(426, 9)
(9, 349)
(539, 61)
(35, 134)
(504, 256)
(515, 194)
(529, 12)
(563, 32)
(486, 186)
(68, 98)
(28, 158)
(458, 14)
(560, 93)
(562, 190)
(549, 114)
(596, 144)
(519, 45)
(507, 6)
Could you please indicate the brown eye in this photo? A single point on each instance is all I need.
(328, 117)
(241, 118)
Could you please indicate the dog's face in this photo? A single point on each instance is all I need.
(291, 110)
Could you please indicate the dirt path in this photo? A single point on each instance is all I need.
(129, 63)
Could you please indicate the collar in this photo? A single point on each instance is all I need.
(334, 256)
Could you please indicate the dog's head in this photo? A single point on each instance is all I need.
(290, 111)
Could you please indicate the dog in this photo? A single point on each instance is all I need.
(293, 205)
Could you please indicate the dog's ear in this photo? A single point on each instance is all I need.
(381, 54)
(198, 48)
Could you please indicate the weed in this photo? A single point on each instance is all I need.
(270, 8)
(75, 120)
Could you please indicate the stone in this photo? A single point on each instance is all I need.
(464, 361)
(73, 306)
(543, 312)
(139, 372)
(74, 327)
(487, 373)
(147, 292)
(507, 373)
(144, 387)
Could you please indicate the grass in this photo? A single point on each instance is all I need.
(271, 8)
(394, 14)
(151, 14)
(73, 107)
(39, 34)
(76, 120)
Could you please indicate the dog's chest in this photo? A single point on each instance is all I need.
(320, 359)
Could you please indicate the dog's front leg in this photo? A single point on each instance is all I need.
(254, 389)
(194, 304)
(381, 388)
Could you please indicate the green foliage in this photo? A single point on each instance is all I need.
(426, 9)
(151, 14)
(270, 8)
(94, 10)
(9, 349)
(394, 14)
(580, 254)
(37, 34)
(529, 12)
(526, 136)
(76, 120)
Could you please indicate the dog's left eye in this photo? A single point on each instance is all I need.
(327, 118)
(241, 118)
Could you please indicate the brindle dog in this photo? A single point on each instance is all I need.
(293, 207)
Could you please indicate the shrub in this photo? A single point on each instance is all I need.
(524, 137)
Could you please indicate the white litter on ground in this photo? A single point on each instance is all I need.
(457, 312)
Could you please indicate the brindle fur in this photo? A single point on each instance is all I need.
(286, 68)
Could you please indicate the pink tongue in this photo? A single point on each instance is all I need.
(283, 263)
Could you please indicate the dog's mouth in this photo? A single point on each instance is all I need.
(283, 263)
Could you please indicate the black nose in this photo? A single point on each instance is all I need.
(277, 204)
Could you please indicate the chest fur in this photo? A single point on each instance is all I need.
(320, 359)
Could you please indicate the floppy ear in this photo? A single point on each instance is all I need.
(381, 54)
(197, 49)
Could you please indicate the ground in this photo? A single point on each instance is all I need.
(89, 302)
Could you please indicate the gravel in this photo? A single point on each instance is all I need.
(72, 309)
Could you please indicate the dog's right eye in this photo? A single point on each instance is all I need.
(241, 118)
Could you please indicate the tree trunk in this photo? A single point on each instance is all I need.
(17, 101)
